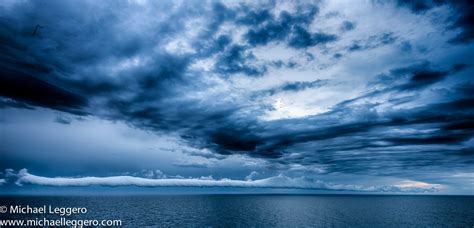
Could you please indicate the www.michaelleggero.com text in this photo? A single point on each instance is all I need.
(59, 222)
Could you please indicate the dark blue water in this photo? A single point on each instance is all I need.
(265, 210)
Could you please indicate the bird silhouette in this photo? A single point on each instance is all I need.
(36, 29)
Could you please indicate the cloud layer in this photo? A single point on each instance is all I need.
(281, 181)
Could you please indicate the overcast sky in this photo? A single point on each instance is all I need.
(337, 96)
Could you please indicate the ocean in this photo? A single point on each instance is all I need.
(254, 210)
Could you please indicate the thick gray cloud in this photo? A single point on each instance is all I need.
(25, 178)
(463, 18)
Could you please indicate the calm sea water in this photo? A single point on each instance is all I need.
(265, 210)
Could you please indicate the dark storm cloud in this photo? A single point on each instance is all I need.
(414, 135)
(287, 64)
(419, 6)
(465, 22)
(117, 67)
(39, 69)
(33, 91)
(367, 134)
(6, 102)
(206, 44)
(61, 56)
(373, 41)
(254, 17)
(462, 15)
(297, 86)
(22, 75)
(406, 46)
(263, 27)
(76, 64)
(416, 76)
(62, 120)
(286, 27)
(237, 59)
(358, 131)
(301, 38)
(294, 87)
(348, 26)
(62, 65)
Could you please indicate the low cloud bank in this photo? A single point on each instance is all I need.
(280, 181)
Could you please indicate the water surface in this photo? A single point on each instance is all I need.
(265, 210)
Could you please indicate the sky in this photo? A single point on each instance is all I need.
(237, 96)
